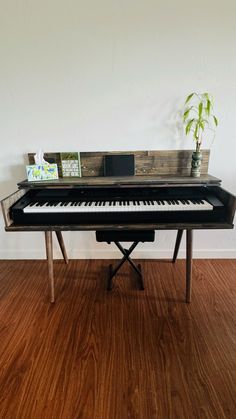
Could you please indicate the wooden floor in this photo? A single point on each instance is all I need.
(126, 354)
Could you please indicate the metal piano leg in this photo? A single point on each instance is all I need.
(49, 253)
(177, 244)
(189, 251)
(62, 245)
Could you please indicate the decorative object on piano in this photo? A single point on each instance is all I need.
(70, 164)
(51, 157)
(197, 117)
(41, 170)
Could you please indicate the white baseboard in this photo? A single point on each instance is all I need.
(113, 254)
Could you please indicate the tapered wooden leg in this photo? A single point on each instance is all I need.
(189, 251)
(62, 245)
(49, 253)
(177, 244)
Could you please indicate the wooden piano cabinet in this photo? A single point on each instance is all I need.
(140, 181)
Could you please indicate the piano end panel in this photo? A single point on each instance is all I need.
(7, 203)
(229, 201)
(231, 206)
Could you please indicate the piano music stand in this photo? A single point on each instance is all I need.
(125, 236)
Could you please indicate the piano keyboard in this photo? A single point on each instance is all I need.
(118, 206)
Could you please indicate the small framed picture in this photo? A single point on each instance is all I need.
(70, 164)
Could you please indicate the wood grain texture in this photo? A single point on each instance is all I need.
(145, 180)
(152, 162)
(147, 226)
(124, 354)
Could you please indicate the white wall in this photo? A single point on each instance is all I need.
(111, 75)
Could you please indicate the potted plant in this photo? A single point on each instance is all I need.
(197, 118)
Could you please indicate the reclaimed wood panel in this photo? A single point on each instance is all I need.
(163, 162)
(152, 162)
(125, 354)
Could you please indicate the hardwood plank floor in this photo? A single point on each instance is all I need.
(126, 354)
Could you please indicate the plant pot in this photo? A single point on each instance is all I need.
(196, 163)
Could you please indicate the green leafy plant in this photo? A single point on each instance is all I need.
(198, 116)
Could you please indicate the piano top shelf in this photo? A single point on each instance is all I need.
(103, 181)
